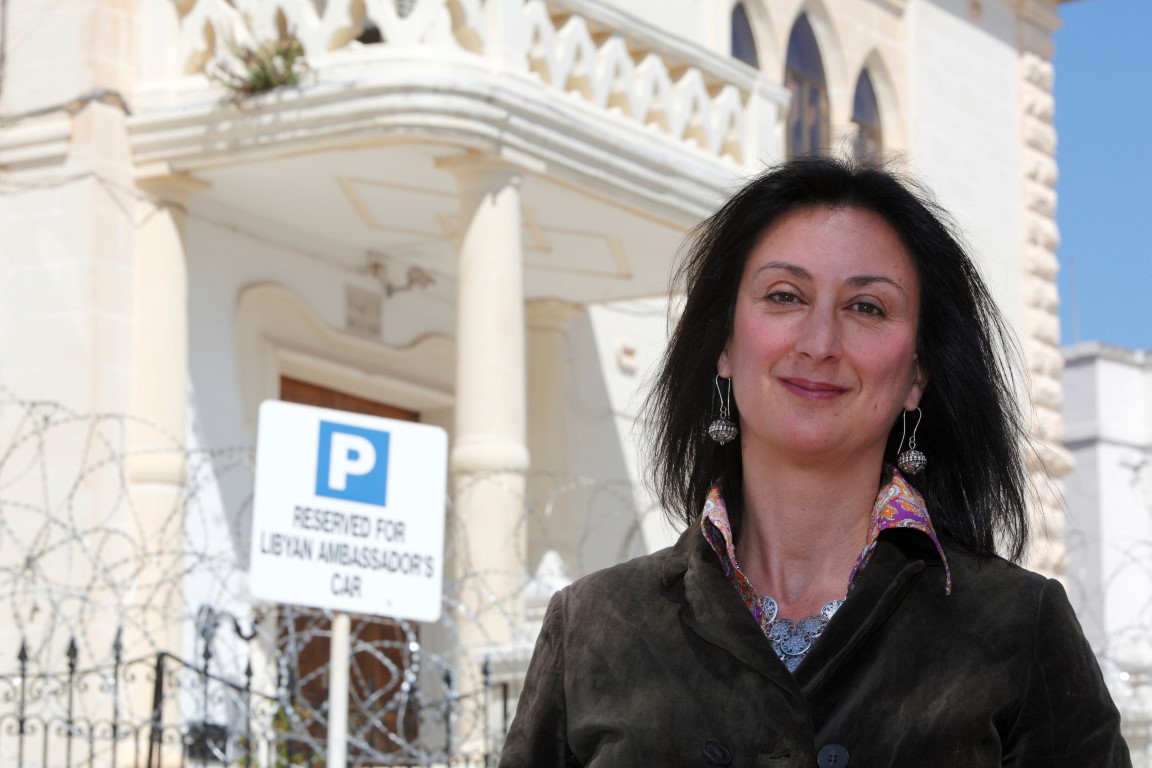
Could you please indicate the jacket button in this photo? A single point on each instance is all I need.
(832, 756)
(717, 753)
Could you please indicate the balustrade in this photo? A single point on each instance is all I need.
(582, 48)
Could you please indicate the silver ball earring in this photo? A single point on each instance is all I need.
(911, 461)
(723, 430)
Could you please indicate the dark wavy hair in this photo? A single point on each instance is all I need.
(975, 483)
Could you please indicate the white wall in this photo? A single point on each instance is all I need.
(630, 339)
(964, 126)
(1108, 416)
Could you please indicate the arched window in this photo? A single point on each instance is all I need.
(743, 43)
(866, 115)
(808, 126)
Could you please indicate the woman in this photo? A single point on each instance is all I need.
(824, 606)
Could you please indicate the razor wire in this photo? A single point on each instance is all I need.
(129, 623)
(130, 634)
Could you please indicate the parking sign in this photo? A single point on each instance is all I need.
(348, 512)
(353, 463)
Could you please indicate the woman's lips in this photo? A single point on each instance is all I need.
(813, 390)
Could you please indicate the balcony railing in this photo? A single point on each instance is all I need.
(582, 48)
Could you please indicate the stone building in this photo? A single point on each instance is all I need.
(462, 212)
(1108, 413)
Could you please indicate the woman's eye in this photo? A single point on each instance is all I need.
(866, 308)
(782, 297)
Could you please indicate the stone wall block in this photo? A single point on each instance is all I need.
(1043, 359)
(1050, 458)
(1042, 294)
(1042, 325)
(1037, 71)
(1043, 231)
(1039, 105)
(1051, 424)
(1047, 460)
(1040, 262)
(1046, 392)
(1041, 199)
(1046, 421)
(1041, 136)
(1042, 106)
(1040, 167)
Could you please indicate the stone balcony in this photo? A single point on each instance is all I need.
(580, 64)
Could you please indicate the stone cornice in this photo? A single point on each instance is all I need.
(467, 107)
(1041, 14)
(1088, 352)
(40, 143)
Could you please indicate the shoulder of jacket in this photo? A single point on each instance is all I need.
(991, 576)
(640, 576)
(630, 571)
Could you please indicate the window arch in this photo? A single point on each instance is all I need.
(869, 140)
(808, 121)
(743, 41)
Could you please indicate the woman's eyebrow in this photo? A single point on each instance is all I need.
(861, 281)
(796, 270)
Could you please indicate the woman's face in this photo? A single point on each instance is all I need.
(822, 354)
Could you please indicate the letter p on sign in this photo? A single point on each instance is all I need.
(352, 464)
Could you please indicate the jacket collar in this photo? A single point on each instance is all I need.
(898, 506)
(714, 611)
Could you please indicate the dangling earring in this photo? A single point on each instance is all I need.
(723, 430)
(911, 461)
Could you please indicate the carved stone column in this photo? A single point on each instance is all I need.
(1050, 462)
(490, 457)
(554, 524)
(160, 336)
(155, 433)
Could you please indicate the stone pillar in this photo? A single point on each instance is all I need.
(155, 434)
(550, 487)
(489, 458)
(1040, 331)
(160, 336)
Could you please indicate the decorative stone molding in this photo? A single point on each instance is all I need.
(579, 48)
(1048, 461)
(278, 334)
(564, 54)
(208, 27)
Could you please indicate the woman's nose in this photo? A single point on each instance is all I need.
(819, 336)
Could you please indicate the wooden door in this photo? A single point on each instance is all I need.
(377, 669)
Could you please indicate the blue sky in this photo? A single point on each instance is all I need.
(1104, 123)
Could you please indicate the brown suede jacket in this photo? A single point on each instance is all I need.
(657, 662)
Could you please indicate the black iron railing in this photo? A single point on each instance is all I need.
(160, 710)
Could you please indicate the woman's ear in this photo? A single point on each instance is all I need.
(722, 366)
(912, 402)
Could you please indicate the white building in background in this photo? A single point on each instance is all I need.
(465, 212)
(1108, 430)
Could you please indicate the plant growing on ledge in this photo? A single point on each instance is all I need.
(250, 71)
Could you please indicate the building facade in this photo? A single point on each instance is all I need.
(1108, 417)
(463, 212)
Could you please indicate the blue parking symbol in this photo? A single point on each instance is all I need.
(352, 463)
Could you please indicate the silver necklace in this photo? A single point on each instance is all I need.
(791, 640)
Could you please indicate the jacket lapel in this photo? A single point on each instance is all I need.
(714, 611)
(881, 588)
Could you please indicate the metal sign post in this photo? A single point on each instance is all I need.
(338, 690)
